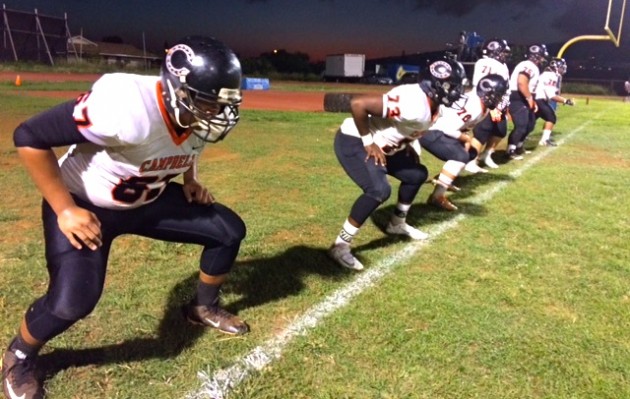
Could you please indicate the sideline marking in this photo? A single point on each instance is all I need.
(223, 381)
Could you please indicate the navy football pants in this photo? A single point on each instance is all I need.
(77, 277)
(404, 165)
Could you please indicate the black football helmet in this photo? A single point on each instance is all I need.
(537, 53)
(497, 49)
(558, 65)
(491, 89)
(443, 81)
(202, 76)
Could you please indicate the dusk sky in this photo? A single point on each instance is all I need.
(318, 27)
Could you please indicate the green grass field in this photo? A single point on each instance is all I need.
(522, 293)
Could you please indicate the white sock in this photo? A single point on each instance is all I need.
(347, 233)
(546, 135)
(450, 171)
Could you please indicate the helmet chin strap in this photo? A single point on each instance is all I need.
(173, 103)
(177, 112)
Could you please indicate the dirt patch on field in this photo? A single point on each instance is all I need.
(275, 100)
(48, 77)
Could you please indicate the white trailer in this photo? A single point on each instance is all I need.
(344, 67)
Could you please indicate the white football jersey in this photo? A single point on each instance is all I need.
(547, 87)
(486, 66)
(528, 68)
(461, 116)
(406, 114)
(133, 150)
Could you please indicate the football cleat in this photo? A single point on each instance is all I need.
(522, 151)
(406, 230)
(19, 380)
(215, 317)
(441, 201)
(512, 155)
(548, 143)
(341, 254)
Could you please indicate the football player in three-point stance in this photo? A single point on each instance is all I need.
(493, 128)
(547, 91)
(130, 135)
(380, 139)
(448, 139)
(523, 81)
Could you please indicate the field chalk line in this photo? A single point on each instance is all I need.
(221, 382)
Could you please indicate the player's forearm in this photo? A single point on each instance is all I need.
(44, 171)
(362, 107)
(191, 173)
(524, 90)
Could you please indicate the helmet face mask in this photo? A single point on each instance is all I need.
(201, 80)
(443, 81)
(491, 89)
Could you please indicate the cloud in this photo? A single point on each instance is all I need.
(587, 17)
(461, 8)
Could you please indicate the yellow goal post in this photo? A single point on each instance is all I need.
(610, 35)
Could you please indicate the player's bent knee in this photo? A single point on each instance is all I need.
(418, 176)
(380, 193)
(234, 229)
(73, 308)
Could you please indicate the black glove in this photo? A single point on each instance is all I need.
(568, 101)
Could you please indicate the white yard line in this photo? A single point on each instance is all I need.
(221, 382)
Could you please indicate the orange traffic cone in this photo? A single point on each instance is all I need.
(18, 81)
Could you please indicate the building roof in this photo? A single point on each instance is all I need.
(106, 49)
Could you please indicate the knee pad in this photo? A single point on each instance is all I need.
(419, 176)
(234, 229)
(43, 324)
(363, 208)
(73, 307)
(380, 192)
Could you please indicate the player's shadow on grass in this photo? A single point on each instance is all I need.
(264, 280)
(422, 215)
(174, 335)
(473, 184)
(256, 281)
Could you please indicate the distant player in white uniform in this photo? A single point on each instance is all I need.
(493, 128)
(380, 139)
(522, 106)
(548, 93)
(130, 135)
(449, 140)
